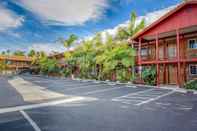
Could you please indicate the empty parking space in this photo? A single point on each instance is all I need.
(128, 94)
(143, 97)
(14, 121)
(101, 106)
(62, 83)
(110, 116)
(110, 94)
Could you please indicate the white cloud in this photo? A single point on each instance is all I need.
(55, 47)
(149, 18)
(9, 19)
(47, 47)
(153, 16)
(14, 34)
(66, 12)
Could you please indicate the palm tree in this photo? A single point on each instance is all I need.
(113, 56)
(48, 65)
(31, 53)
(125, 32)
(19, 53)
(68, 42)
(68, 55)
(3, 53)
(7, 52)
(116, 54)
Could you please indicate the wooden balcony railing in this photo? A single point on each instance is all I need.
(191, 53)
(18, 66)
(188, 55)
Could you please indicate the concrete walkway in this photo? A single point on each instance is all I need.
(32, 93)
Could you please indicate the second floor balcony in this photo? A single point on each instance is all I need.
(170, 54)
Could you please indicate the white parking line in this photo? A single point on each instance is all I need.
(135, 93)
(75, 88)
(99, 91)
(75, 83)
(138, 97)
(154, 99)
(129, 100)
(33, 106)
(131, 86)
(32, 123)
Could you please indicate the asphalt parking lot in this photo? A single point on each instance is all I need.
(96, 106)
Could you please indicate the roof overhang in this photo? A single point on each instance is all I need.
(182, 31)
(179, 7)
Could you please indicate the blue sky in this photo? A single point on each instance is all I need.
(37, 24)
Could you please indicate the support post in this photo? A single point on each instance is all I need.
(165, 50)
(139, 51)
(139, 57)
(157, 57)
(178, 57)
(165, 57)
(164, 73)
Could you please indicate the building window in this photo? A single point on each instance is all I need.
(172, 51)
(161, 53)
(144, 52)
(193, 69)
(192, 43)
(8, 62)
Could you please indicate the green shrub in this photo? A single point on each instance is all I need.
(121, 75)
(67, 72)
(149, 75)
(48, 66)
(191, 85)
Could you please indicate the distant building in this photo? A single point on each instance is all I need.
(60, 59)
(170, 44)
(15, 64)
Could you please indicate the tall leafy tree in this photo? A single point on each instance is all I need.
(48, 66)
(19, 53)
(69, 41)
(3, 66)
(109, 57)
(31, 53)
(117, 54)
(3, 53)
(133, 27)
(7, 52)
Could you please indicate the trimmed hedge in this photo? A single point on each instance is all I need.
(191, 85)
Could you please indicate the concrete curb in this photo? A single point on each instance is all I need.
(175, 88)
(181, 90)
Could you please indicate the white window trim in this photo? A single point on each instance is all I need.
(188, 43)
(190, 69)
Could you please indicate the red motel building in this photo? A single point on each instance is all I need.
(16, 63)
(170, 44)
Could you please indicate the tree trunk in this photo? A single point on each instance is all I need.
(114, 75)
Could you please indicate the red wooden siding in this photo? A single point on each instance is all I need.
(185, 17)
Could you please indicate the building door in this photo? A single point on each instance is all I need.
(161, 74)
(172, 74)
